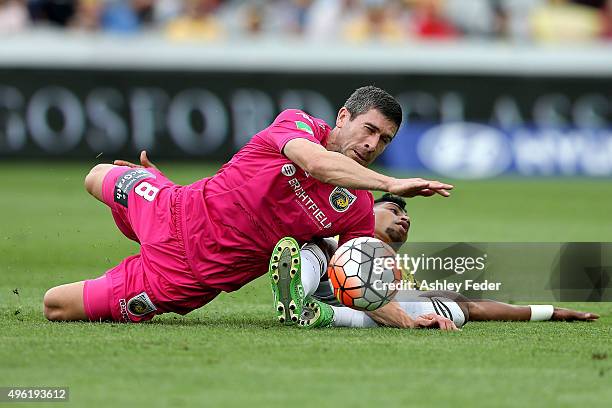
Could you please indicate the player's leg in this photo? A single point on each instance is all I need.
(324, 292)
(294, 275)
(315, 256)
(101, 183)
(314, 265)
(94, 180)
(65, 302)
(317, 314)
(128, 192)
(122, 294)
(159, 279)
(88, 300)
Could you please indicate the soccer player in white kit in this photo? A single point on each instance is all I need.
(446, 310)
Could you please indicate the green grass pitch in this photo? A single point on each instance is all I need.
(232, 353)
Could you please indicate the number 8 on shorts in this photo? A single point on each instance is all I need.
(146, 191)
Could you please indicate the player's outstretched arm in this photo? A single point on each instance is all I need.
(337, 169)
(392, 315)
(489, 310)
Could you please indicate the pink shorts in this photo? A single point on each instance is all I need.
(146, 208)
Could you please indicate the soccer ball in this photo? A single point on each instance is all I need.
(358, 274)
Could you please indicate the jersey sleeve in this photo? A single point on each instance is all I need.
(293, 124)
(364, 227)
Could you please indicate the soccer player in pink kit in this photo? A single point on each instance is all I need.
(297, 178)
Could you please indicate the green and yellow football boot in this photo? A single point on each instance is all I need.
(286, 280)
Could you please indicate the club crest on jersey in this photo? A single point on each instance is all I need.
(140, 305)
(341, 199)
(288, 170)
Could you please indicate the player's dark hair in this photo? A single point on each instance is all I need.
(392, 198)
(371, 97)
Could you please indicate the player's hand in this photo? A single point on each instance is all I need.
(432, 321)
(572, 315)
(144, 162)
(418, 187)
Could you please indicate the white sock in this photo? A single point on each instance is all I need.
(347, 317)
(314, 264)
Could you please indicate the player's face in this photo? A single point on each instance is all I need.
(392, 224)
(363, 138)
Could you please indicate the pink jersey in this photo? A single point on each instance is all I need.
(232, 220)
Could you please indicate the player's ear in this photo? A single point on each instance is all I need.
(343, 116)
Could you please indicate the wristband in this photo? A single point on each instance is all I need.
(541, 313)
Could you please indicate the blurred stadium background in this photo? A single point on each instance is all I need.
(489, 87)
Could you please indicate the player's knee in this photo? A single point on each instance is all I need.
(90, 179)
(52, 306)
(65, 303)
(55, 308)
(54, 314)
(50, 300)
(95, 177)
